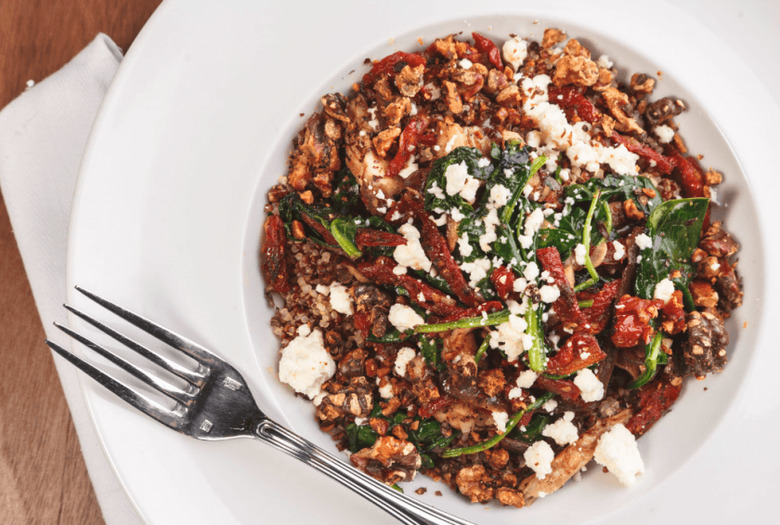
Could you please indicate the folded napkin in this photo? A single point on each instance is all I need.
(42, 137)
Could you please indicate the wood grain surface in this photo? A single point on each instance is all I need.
(42, 474)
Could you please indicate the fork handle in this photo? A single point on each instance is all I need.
(400, 506)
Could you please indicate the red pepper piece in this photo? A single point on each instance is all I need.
(580, 351)
(407, 144)
(487, 307)
(655, 398)
(632, 320)
(434, 406)
(691, 177)
(563, 387)
(370, 237)
(573, 102)
(503, 280)
(274, 263)
(390, 65)
(381, 272)
(597, 315)
(485, 45)
(664, 164)
(566, 305)
(673, 314)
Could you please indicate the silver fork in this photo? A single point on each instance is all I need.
(216, 404)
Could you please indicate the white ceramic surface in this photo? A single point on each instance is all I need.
(168, 213)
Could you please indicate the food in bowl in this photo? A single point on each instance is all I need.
(495, 265)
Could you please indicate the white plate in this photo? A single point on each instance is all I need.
(168, 213)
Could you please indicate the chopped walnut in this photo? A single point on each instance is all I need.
(410, 80)
(396, 110)
(385, 140)
(718, 242)
(616, 102)
(604, 81)
(704, 295)
(473, 483)
(574, 48)
(492, 381)
(705, 349)
(713, 178)
(335, 105)
(509, 96)
(389, 460)
(551, 37)
(452, 98)
(497, 457)
(576, 70)
(511, 497)
(496, 81)
(642, 84)
(631, 211)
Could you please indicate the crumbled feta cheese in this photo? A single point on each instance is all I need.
(483, 162)
(533, 138)
(340, 299)
(322, 289)
(399, 269)
(499, 196)
(305, 363)
(411, 254)
(533, 222)
(539, 457)
(617, 450)
(456, 176)
(579, 254)
(463, 245)
(531, 271)
(604, 62)
(404, 317)
(466, 63)
(411, 167)
(549, 293)
(664, 133)
(620, 250)
(664, 290)
(402, 359)
(508, 337)
(520, 284)
(500, 419)
(515, 51)
(515, 393)
(563, 432)
(477, 270)
(550, 405)
(491, 220)
(526, 379)
(436, 191)
(643, 241)
(386, 391)
(456, 215)
(591, 389)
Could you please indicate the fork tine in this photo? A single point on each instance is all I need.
(187, 346)
(164, 363)
(161, 414)
(169, 390)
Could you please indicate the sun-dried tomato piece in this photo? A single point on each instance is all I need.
(391, 64)
(566, 306)
(579, 351)
(655, 398)
(485, 45)
(572, 102)
(673, 314)
(274, 265)
(664, 164)
(368, 237)
(407, 144)
(424, 295)
(317, 226)
(691, 176)
(434, 406)
(597, 316)
(503, 280)
(632, 320)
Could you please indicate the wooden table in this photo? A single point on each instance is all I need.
(42, 474)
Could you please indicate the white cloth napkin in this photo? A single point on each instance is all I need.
(42, 137)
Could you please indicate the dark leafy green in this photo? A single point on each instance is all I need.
(533, 430)
(360, 437)
(675, 229)
(471, 156)
(622, 187)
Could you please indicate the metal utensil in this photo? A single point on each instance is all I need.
(216, 404)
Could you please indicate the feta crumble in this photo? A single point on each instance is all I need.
(526, 379)
(617, 450)
(664, 133)
(305, 363)
(620, 250)
(664, 290)
(402, 359)
(563, 431)
(539, 457)
(549, 293)
(643, 241)
(340, 299)
(500, 420)
(515, 51)
(411, 254)
(591, 389)
(404, 317)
